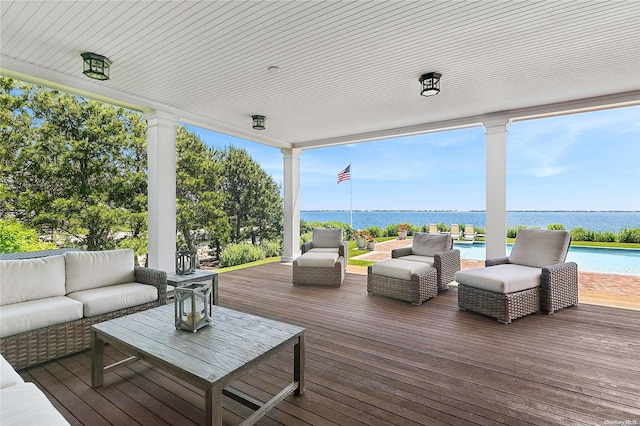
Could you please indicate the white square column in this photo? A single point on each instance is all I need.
(496, 190)
(291, 225)
(161, 176)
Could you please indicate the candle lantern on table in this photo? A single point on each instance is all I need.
(192, 306)
(185, 262)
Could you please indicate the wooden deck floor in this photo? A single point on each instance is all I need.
(378, 361)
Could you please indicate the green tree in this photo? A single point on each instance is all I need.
(252, 198)
(15, 237)
(71, 165)
(198, 196)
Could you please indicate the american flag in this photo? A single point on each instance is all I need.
(345, 174)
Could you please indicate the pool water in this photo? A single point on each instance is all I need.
(592, 259)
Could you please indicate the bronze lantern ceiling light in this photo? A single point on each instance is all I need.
(95, 66)
(258, 122)
(430, 84)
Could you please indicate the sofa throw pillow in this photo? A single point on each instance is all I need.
(429, 245)
(326, 238)
(93, 269)
(31, 279)
(539, 248)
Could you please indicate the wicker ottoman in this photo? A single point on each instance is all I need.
(406, 280)
(319, 268)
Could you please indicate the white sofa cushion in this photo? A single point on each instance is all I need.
(34, 314)
(326, 238)
(8, 376)
(539, 248)
(93, 269)
(505, 278)
(98, 301)
(317, 260)
(428, 260)
(31, 279)
(428, 244)
(25, 404)
(398, 268)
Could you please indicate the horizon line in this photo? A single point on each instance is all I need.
(466, 211)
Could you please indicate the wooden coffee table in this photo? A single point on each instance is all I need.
(212, 358)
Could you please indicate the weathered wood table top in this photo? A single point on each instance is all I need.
(211, 358)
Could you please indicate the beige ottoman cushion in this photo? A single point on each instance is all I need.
(507, 278)
(398, 268)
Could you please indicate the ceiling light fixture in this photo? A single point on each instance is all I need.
(258, 122)
(95, 66)
(430, 84)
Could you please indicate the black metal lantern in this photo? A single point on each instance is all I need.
(95, 66)
(192, 306)
(430, 84)
(258, 122)
(185, 262)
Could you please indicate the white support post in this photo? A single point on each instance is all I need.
(496, 189)
(161, 153)
(291, 226)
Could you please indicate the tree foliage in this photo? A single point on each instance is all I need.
(71, 165)
(77, 169)
(15, 237)
(198, 193)
(252, 198)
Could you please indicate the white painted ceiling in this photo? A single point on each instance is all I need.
(349, 69)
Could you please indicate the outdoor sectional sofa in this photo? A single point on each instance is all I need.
(22, 403)
(48, 304)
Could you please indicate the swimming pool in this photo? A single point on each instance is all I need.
(592, 259)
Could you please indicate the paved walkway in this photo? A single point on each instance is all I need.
(621, 291)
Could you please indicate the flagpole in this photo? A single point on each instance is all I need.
(351, 198)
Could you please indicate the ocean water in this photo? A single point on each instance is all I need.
(593, 221)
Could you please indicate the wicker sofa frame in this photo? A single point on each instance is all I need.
(558, 289)
(446, 264)
(33, 347)
(421, 287)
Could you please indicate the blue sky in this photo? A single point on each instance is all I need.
(588, 161)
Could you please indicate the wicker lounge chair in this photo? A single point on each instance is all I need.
(436, 251)
(323, 259)
(433, 229)
(534, 277)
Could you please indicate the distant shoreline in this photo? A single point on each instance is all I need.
(471, 211)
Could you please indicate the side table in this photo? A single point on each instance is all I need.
(198, 276)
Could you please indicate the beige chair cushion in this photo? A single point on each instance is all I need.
(93, 269)
(326, 238)
(98, 301)
(317, 260)
(539, 248)
(24, 404)
(428, 244)
(324, 250)
(427, 260)
(506, 278)
(398, 268)
(31, 279)
(34, 314)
